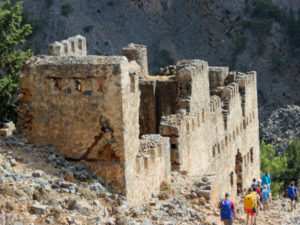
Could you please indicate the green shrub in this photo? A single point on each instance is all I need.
(292, 154)
(48, 3)
(277, 165)
(261, 26)
(98, 52)
(240, 44)
(283, 168)
(293, 29)
(166, 57)
(66, 9)
(276, 61)
(266, 9)
(261, 46)
(36, 23)
(87, 28)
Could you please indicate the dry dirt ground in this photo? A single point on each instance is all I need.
(40, 187)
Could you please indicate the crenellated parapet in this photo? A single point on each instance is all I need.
(138, 53)
(153, 150)
(217, 76)
(193, 85)
(215, 104)
(73, 46)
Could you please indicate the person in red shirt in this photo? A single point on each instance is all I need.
(227, 210)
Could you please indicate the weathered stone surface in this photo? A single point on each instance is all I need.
(38, 209)
(7, 129)
(88, 107)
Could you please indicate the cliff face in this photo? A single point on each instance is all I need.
(221, 32)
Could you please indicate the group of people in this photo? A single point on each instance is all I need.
(257, 197)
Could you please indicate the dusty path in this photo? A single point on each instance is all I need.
(278, 214)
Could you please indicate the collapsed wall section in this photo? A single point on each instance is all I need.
(158, 98)
(153, 168)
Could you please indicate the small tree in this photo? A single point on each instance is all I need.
(277, 166)
(293, 162)
(11, 58)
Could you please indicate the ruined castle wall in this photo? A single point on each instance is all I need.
(73, 46)
(147, 115)
(88, 108)
(203, 143)
(76, 105)
(158, 98)
(193, 85)
(153, 167)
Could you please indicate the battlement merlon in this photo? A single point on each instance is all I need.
(138, 53)
(246, 79)
(193, 85)
(217, 76)
(73, 46)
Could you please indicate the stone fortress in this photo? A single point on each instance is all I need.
(133, 129)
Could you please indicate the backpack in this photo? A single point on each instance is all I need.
(226, 212)
(249, 202)
(291, 192)
(259, 190)
(265, 194)
(255, 198)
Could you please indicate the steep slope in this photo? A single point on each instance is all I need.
(231, 32)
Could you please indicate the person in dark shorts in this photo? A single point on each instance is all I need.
(292, 194)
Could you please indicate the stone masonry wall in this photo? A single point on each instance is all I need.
(158, 98)
(197, 119)
(67, 102)
(209, 139)
(88, 108)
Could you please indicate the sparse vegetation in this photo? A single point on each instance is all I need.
(66, 9)
(264, 13)
(240, 44)
(267, 10)
(276, 61)
(98, 52)
(166, 57)
(48, 3)
(293, 29)
(261, 46)
(87, 28)
(36, 23)
(261, 26)
(110, 3)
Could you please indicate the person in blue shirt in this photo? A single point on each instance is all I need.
(266, 198)
(266, 180)
(292, 194)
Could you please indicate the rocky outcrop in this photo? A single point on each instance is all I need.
(282, 127)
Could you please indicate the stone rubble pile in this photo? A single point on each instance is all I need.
(39, 186)
(282, 127)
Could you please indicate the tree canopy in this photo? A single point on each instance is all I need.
(12, 35)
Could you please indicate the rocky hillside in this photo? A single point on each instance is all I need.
(40, 187)
(243, 34)
(282, 127)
